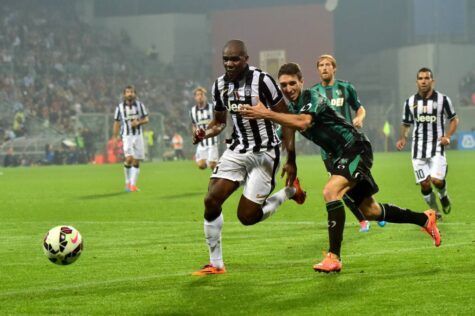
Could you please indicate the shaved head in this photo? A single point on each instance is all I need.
(237, 46)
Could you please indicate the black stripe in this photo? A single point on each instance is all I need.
(442, 148)
(434, 127)
(425, 134)
(264, 94)
(415, 106)
(347, 115)
(253, 123)
(126, 124)
(264, 89)
(276, 166)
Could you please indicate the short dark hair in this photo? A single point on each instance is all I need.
(425, 69)
(291, 69)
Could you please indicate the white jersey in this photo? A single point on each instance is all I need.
(429, 117)
(126, 114)
(254, 135)
(201, 117)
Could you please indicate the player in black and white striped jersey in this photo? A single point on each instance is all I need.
(129, 117)
(428, 110)
(253, 156)
(207, 153)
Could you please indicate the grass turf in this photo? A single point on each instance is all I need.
(140, 248)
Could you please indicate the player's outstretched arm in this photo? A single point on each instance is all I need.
(296, 121)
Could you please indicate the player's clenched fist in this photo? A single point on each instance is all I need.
(198, 135)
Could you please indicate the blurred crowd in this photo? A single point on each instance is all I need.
(54, 67)
(467, 89)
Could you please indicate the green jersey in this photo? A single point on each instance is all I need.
(329, 130)
(342, 98)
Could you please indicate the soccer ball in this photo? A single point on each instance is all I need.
(63, 245)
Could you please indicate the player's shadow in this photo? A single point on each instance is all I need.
(101, 196)
(182, 195)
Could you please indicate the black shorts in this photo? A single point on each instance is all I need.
(355, 165)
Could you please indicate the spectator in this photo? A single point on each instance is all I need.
(177, 145)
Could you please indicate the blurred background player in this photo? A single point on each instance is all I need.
(177, 145)
(129, 117)
(343, 99)
(201, 114)
(428, 110)
(253, 156)
(352, 156)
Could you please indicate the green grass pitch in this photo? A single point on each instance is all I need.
(140, 248)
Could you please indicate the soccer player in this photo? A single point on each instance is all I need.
(129, 117)
(352, 161)
(428, 110)
(253, 155)
(201, 114)
(343, 99)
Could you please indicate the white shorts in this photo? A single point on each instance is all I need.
(256, 171)
(134, 146)
(208, 153)
(435, 167)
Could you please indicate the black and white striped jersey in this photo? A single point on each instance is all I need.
(248, 134)
(201, 117)
(126, 114)
(429, 117)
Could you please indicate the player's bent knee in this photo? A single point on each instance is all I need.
(425, 185)
(329, 194)
(438, 183)
(212, 203)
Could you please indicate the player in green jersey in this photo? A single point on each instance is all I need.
(343, 98)
(352, 159)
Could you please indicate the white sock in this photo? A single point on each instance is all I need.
(431, 201)
(127, 174)
(276, 200)
(213, 239)
(134, 175)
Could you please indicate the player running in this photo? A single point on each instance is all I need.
(253, 155)
(351, 165)
(428, 110)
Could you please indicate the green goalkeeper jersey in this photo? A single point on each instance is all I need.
(329, 130)
(342, 98)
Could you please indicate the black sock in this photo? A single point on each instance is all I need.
(336, 224)
(353, 208)
(394, 214)
(426, 192)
